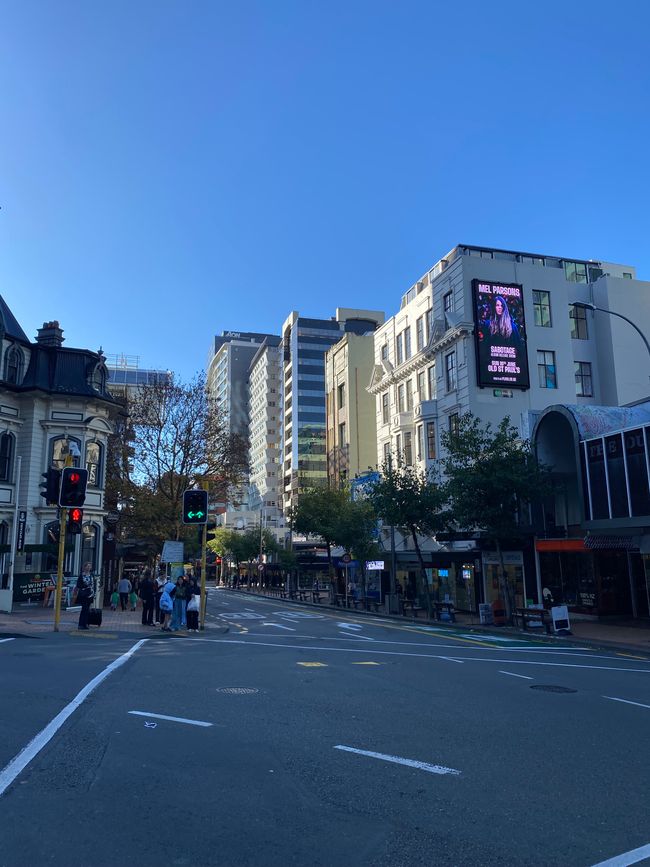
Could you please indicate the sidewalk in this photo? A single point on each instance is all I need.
(628, 635)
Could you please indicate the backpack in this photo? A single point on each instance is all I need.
(166, 602)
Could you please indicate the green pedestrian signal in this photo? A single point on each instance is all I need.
(195, 507)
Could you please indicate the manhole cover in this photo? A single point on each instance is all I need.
(546, 688)
(237, 690)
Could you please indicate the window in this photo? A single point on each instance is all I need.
(454, 424)
(59, 450)
(578, 320)
(419, 333)
(98, 380)
(342, 440)
(407, 342)
(627, 275)
(575, 272)
(93, 464)
(420, 441)
(400, 397)
(428, 320)
(409, 394)
(387, 453)
(450, 371)
(399, 349)
(584, 385)
(408, 449)
(546, 369)
(6, 456)
(431, 440)
(422, 385)
(542, 308)
(89, 545)
(398, 446)
(431, 373)
(384, 352)
(448, 302)
(13, 366)
(385, 407)
(341, 396)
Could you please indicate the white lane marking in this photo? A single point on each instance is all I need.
(626, 701)
(179, 719)
(411, 763)
(627, 858)
(425, 655)
(280, 626)
(345, 625)
(451, 659)
(2, 640)
(475, 637)
(249, 609)
(512, 674)
(33, 748)
(354, 637)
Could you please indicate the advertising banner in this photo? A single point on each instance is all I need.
(500, 330)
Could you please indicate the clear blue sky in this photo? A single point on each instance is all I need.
(172, 169)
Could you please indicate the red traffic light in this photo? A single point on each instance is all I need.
(76, 514)
(74, 478)
(73, 487)
(75, 520)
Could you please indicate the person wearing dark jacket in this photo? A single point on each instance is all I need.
(85, 594)
(148, 595)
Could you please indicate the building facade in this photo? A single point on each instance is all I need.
(497, 333)
(350, 408)
(54, 402)
(304, 343)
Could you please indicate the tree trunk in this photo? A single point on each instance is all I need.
(503, 583)
(423, 572)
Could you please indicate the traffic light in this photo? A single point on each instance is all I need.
(73, 487)
(195, 507)
(211, 530)
(75, 520)
(51, 486)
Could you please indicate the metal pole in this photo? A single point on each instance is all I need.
(590, 306)
(204, 544)
(14, 535)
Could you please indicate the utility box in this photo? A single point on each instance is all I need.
(485, 614)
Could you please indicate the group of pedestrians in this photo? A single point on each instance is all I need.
(168, 604)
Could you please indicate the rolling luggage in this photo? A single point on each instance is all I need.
(95, 617)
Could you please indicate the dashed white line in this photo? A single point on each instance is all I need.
(2, 640)
(179, 719)
(451, 659)
(626, 701)
(280, 626)
(410, 763)
(512, 674)
(627, 858)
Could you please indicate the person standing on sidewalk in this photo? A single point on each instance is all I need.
(161, 580)
(147, 589)
(85, 594)
(124, 588)
(179, 604)
(167, 605)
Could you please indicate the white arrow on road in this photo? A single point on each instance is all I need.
(280, 626)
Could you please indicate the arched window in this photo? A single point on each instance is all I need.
(59, 450)
(13, 366)
(50, 558)
(89, 545)
(98, 379)
(6, 456)
(94, 464)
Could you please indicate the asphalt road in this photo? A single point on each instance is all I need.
(326, 739)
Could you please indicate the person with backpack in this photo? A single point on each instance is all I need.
(167, 605)
(85, 594)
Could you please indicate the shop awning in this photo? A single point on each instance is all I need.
(611, 543)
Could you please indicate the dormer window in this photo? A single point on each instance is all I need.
(13, 366)
(98, 380)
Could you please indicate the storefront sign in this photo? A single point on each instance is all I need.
(500, 332)
(22, 523)
(30, 585)
(374, 564)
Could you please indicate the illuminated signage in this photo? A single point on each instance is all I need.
(500, 331)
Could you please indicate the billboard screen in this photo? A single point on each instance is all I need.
(500, 330)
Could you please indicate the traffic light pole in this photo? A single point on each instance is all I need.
(204, 545)
(63, 517)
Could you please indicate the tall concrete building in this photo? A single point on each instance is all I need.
(350, 408)
(265, 432)
(304, 343)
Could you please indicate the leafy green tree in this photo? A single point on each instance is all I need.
(414, 502)
(321, 512)
(490, 475)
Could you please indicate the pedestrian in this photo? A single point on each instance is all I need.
(115, 600)
(161, 580)
(133, 599)
(193, 607)
(124, 588)
(166, 604)
(85, 594)
(147, 593)
(180, 604)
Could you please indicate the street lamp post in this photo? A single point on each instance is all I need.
(586, 305)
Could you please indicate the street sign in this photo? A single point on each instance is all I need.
(374, 564)
(346, 558)
(112, 517)
(172, 552)
(22, 522)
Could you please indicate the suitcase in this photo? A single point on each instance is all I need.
(95, 617)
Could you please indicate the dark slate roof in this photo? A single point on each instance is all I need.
(59, 370)
(9, 323)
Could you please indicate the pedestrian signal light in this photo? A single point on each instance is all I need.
(195, 507)
(73, 487)
(75, 520)
(50, 486)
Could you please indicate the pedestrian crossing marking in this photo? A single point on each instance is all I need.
(313, 664)
(366, 663)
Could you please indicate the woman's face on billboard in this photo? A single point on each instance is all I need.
(498, 307)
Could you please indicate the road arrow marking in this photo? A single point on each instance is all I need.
(411, 763)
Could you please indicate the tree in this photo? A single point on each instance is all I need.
(181, 437)
(358, 534)
(414, 502)
(490, 475)
(321, 512)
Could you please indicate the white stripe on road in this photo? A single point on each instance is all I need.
(353, 636)
(280, 626)
(512, 674)
(626, 701)
(180, 719)
(2, 640)
(411, 763)
(627, 858)
(33, 748)
(451, 659)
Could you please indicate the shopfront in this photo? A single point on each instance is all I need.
(450, 577)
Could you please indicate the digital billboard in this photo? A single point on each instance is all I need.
(500, 331)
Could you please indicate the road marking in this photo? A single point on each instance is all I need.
(366, 663)
(280, 626)
(632, 656)
(178, 719)
(489, 638)
(626, 701)
(631, 857)
(353, 636)
(2, 640)
(33, 748)
(411, 763)
(313, 664)
(451, 659)
(150, 725)
(346, 625)
(512, 674)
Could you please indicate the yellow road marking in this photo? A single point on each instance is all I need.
(313, 664)
(631, 656)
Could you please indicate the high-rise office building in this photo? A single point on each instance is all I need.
(265, 432)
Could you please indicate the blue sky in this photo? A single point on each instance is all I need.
(172, 169)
